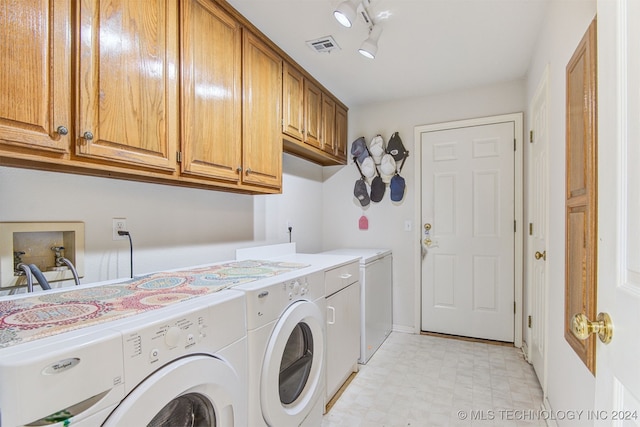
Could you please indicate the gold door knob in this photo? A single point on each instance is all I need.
(542, 255)
(427, 227)
(582, 327)
(427, 242)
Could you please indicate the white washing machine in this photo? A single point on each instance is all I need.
(286, 345)
(181, 365)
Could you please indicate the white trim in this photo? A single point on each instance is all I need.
(405, 329)
(546, 407)
(517, 119)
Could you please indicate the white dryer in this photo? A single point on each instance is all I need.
(286, 345)
(181, 365)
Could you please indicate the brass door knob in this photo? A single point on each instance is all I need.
(542, 255)
(582, 327)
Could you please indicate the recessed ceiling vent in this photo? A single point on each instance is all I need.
(323, 44)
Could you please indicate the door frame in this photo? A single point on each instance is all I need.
(517, 119)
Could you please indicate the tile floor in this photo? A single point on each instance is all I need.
(426, 381)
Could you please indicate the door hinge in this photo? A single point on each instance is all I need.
(514, 308)
(515, 145)
(515, 229)
(179, 156)
(530, 229)
(529, 321)
(530, 136)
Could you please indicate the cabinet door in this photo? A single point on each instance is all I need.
(343, 336)
(128, 82)
(35, 66)
(341, 134)
(293, 102)
(328, 134)
(211, 91)
(313, 114)
(262, 114)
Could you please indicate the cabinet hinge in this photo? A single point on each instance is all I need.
(529, 321)
(179, 156)
(530, 136)
(530, 229)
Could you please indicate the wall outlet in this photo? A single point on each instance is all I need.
(119, 224)
(408, 225)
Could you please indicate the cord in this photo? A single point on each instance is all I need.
(126, 233)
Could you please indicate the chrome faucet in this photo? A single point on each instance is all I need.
(29, 271)
(23, 269)
(61, 260)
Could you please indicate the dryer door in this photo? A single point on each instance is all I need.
(293, 373)
(198, 390)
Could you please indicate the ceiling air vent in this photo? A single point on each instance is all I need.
(323, 44)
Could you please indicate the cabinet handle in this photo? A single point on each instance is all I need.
(345, 276)
(239, 169)
(248, 171)
(333, 315)
(88, 136)
(61, 130)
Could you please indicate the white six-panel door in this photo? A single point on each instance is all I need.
(617, 395)
(468, 198)
(538, 219)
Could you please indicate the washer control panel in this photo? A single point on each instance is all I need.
(265, 304)
(200, 325)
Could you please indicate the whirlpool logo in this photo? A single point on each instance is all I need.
(61, 366)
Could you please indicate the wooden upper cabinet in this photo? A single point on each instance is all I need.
(211, 49)
(35, 88)
(292, 102)
(313, 114)
(262, 114)
(128, 59)
(328, 131)
(314, 124)
(341, 134)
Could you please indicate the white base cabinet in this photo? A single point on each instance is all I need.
(343, 326)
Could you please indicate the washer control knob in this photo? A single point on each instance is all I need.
(296, 288)
(154, 354)
(172, 337)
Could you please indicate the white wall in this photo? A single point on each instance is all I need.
(386, 219)
(570, 386)
(171, 227)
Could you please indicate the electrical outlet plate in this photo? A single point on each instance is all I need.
(119, 224)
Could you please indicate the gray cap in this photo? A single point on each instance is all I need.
(360, 192)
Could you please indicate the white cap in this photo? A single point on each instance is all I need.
(376, 148)
(368, 168)
(387, 168)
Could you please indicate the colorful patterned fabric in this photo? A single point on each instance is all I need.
(46, 314)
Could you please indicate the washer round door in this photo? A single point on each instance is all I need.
(292, 371)
(198, 390)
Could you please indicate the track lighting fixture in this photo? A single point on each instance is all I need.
(369, 47)
(345, 13)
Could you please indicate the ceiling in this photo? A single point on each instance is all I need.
(426, 46)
